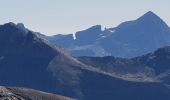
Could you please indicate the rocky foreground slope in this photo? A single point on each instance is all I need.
(9, 93)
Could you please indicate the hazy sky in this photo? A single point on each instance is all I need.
(68, 16)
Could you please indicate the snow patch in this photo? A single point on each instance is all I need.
(112, 31)
(103, 28)
(103, 36)
(74, 36)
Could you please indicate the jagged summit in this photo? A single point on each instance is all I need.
(19, 26)
(9, 24)
(91, 33)
(149, 15)
(152, 19)
(96, 27)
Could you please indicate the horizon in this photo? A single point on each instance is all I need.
(66, 17)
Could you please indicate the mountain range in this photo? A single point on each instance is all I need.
(28, 59)
(84, 50)
(129, 39)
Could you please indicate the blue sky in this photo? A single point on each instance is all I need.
(68, 16)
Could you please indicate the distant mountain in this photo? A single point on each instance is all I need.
(28, 60)
(129, 39)
(14, 93)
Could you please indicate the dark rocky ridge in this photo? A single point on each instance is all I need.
(26, 57)
(155, 65)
